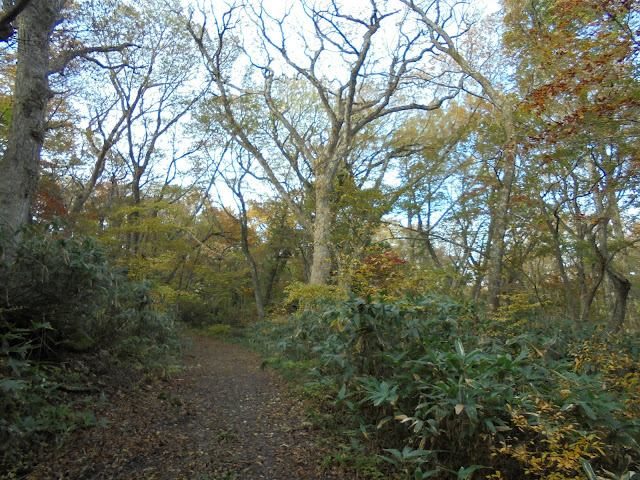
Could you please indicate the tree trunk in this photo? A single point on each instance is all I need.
(616, 301)
(482, 266)
(279, 263)
(321, 264)
(496, 252)
(622, 287)
(554, 230)
(20, 162)
(589, 287)
(253, 268)
(586, 300)
(632, 314)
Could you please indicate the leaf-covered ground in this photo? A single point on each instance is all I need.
(221, 418)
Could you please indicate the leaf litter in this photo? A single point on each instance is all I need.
(223, 417)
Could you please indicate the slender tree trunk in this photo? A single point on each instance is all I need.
(554, 230)
(424, 236)
(589, 287)
(412, 249)
(482, 266)
(243, 222)
(253, 268)
(632, 314)
(21, 159)
(586, 300)
(273, 276)
(87, 190)
(255, 279)
(496, 252)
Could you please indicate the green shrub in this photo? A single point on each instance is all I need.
(436, 389)
(63, 296)
(193, 311)
(70, 284)
(32, 406)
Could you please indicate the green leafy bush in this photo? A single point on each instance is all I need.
(194, 311)
(70, 284)
(441, 392)
(64, 297)
(32, 405)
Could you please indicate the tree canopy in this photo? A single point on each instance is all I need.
(499, 151)
(371, 184)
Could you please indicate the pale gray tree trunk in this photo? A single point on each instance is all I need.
(20, 162)
(321, 265)
(501, 213)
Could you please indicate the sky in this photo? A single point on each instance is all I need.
(492, 6)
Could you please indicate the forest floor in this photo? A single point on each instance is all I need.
(223, 417)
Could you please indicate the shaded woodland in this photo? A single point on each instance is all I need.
(429, 212)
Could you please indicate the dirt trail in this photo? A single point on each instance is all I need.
(222, 418)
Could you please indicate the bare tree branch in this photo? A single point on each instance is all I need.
(59, 63)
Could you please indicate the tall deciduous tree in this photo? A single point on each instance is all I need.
(235, 179)
(20, 162)
(578, 74)
(337, 58)
(140, 100)
(32, 93)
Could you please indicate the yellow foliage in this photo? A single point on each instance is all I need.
(306, 296)
(167, 294)
(549, 447)
(620, 371)
(497, 475)
(512, 306)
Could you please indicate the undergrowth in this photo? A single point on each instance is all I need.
(435, 391)
(62, 301)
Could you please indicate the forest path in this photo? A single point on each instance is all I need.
(221, 418)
